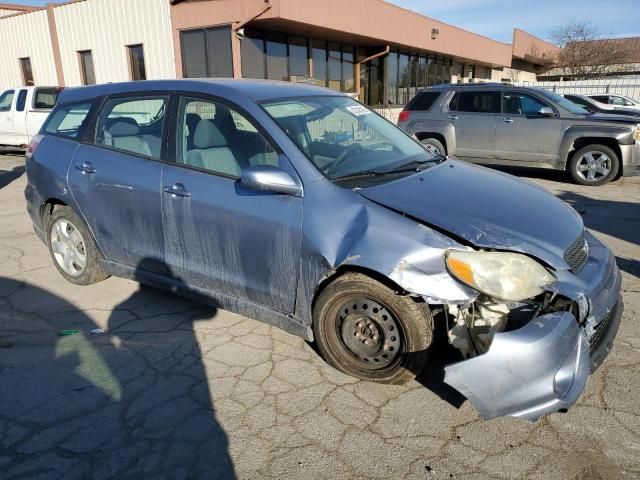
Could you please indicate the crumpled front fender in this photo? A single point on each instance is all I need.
(540, 368)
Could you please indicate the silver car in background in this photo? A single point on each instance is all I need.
(499, 124)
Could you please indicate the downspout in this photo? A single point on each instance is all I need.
(242, 23)
(368, 59)
(235, 40)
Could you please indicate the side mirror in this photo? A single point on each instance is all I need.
(267, 178)
(546, 112)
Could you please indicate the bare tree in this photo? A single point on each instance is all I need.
(584, 53)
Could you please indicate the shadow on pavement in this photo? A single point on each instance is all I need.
(441, 355)
(611, 217)
(132, 402)
(629, 265)
(8, 176)
(528, 172)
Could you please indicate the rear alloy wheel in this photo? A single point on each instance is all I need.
(72, 248)
(364, 329)
(594, 165)
(434, 146)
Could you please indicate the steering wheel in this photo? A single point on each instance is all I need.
(343, 158)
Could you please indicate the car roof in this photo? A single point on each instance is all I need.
(258, 90)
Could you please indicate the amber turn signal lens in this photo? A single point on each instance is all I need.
(461, 270)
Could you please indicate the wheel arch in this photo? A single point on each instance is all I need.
(435, 135)
(53, 203)
(47, 208)
(576, 138)
(342, 270)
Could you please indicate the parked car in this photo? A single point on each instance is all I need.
(501, 124)
(242, 192)
(23, 110)
(594, 106)
(617, 101)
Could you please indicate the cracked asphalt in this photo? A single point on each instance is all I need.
(175, 389)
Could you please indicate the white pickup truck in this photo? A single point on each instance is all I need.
(23, 110)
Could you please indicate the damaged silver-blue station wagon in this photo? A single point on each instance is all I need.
(300, 207)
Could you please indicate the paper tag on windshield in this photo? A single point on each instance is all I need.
(358, 110)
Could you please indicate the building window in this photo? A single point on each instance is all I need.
(334, 64)
(136, 62)
(277, 56)
(86, 67)
(27, 71)
(253, 61)
(348, 84)
(298, 57)
(319, 56)
(206, 52)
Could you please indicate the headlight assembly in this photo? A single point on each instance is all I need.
(504, 275)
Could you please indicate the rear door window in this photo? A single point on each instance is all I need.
(6, 100)
(475, 102)
(133, 124)
(423, 101)
(45, 98)
(21, 100)
(68, 120)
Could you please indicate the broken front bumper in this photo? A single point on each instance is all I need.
(543, 367)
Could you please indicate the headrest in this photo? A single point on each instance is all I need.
(124, 127)
(208, 136)
(192, 120)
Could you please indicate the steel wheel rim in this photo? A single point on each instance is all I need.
(68, 247)
(432, 149)
(594, 166)
(369, 332)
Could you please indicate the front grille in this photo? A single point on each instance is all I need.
(576, 255)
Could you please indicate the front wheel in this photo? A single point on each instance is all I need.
(366, 330)
(594, 165)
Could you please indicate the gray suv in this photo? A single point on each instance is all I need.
(505, 125)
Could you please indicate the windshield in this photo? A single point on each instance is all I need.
(565, 103)
(346, 140)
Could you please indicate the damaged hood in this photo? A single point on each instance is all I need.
(486, 208)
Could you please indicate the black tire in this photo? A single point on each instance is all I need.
(412, 339)
(91, 271)
(434, 144)
(578, 160)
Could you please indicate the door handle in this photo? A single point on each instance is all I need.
(453, 117)
(507, 120)
(86, 167)
(178, 190)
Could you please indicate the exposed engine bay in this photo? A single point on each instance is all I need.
(472, 327)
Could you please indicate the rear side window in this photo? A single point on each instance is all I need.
(601, 98)
(21, 100)
(45, 98)
(476, 102)
(6, 99)
(67, 120)
(423, 101)
(133, 124)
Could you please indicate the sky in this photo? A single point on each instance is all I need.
(497, 18)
